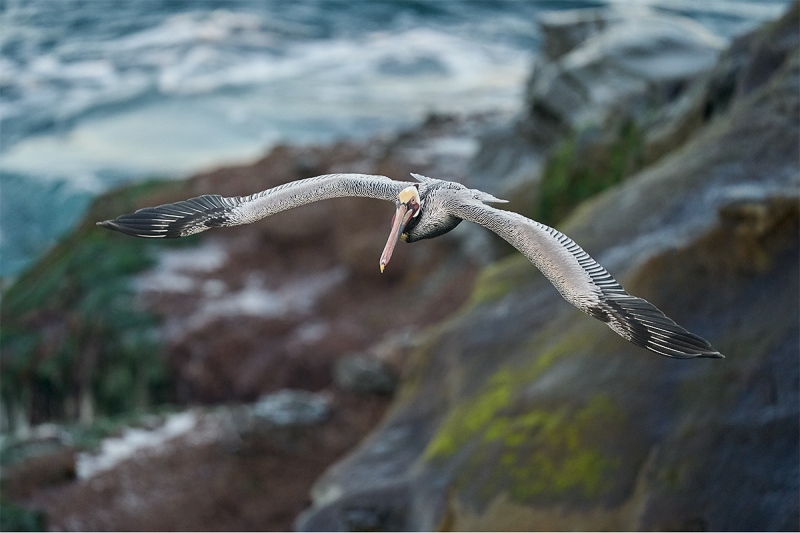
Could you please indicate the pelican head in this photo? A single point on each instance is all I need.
(408, 207)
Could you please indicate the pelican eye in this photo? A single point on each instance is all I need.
(417, 208)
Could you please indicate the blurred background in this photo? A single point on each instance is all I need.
(269, 377)
(94, 96)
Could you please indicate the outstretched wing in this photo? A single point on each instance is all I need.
(192, 216)
(583, 282)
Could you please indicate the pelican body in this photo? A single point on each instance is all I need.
(429, 208)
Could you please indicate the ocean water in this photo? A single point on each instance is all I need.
(96, 93)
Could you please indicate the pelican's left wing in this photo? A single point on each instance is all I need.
(192, 216)
(581, 280)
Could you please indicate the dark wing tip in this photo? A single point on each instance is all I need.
(677, 342)
(645, 325)
(140, 226)
(120, 225)
(174, 220)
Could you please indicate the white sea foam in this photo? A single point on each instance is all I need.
(200, 53)
(313, 91)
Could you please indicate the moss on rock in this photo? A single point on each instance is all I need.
(538, 453)
(553, 452)
(499, 393)
(581, 167)
(501, 278)
(541, 452)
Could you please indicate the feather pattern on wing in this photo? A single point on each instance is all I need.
(192, 216)
(583, 282)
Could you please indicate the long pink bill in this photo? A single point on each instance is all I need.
(401, 218)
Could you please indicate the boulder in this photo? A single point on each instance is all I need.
(599, 71)
(564, 31)
(291, 408)
(634, 64)
(287, 421)
(364, 374)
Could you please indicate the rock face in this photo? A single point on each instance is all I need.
(600, 69)
(636, 62)
(361, 373)
(287, 420)
(612, 92)
(522, 414)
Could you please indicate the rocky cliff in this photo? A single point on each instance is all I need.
(671, 160)
(519, 413)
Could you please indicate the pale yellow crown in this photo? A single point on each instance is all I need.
(407, 194)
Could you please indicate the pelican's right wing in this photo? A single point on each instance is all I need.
(581, 280)
(192, 216)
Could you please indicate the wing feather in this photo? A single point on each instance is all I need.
(188, 217)
(583, 282)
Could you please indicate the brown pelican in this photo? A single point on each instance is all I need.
(430, 208)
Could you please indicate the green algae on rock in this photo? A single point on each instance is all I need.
(585, 164)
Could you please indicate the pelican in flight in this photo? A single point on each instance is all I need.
(427, 209)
